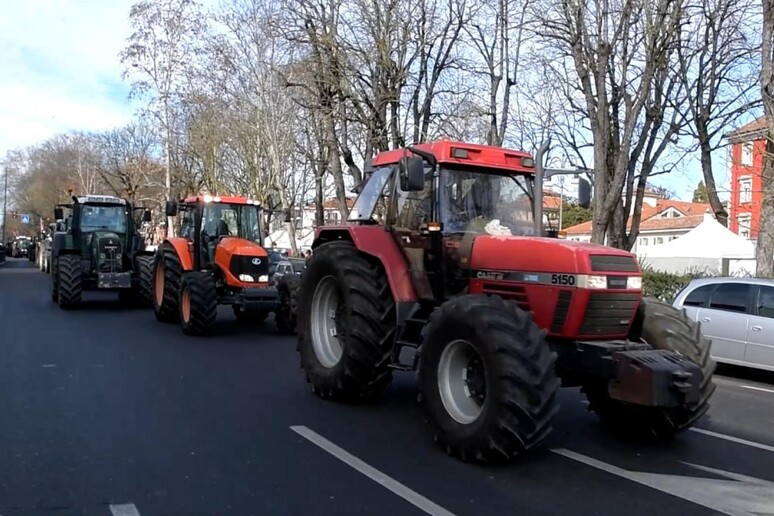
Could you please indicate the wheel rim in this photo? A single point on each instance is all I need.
(159, 291)
(185, 305)
(325, 337)
(461, 381)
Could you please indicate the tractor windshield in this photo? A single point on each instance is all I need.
(474, 199)
(237, 220)
(111, 218)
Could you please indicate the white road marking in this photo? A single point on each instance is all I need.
(374, 474)
(124, 509)
(739, 496)
(753, 388)
(49, 365)
(733, 439)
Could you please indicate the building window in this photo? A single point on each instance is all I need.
(747, 154)
(744, 220)
(643, 241)
(658, 240)
(745, 189)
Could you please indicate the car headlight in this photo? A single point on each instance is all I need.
(592, 282)
(634, 282)
(263, 279)
(247, 278)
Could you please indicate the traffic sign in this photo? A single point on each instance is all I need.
(25, 219)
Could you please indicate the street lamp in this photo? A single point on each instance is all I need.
(5, 203)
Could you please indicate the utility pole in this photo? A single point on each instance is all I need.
(5, 204)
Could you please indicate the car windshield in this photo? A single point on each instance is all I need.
(499, 203)
(112, 218)
(238, 220)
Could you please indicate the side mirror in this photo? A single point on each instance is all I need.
(584, 193)
(58, 213)
(170, 209)
(147, 216)
(412, 174)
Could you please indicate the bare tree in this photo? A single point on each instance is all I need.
(717, 64)
(160, 47)
(617, 48)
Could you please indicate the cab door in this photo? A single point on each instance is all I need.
(725, 320)
(760, 331)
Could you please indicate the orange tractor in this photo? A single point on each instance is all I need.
(443, 268)
(217, 259)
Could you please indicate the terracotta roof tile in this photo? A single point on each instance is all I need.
(748, 132)
(693, 214)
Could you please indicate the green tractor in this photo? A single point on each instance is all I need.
(97, 246)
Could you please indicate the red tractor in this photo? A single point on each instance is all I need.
(442, 269)
(217, 259)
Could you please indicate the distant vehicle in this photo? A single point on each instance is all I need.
(21, 247)
(289, 267)
(737, 315)
(275, 256)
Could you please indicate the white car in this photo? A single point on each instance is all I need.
(737, 315)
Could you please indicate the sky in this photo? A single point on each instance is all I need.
(61, 71)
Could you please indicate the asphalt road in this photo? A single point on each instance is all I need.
(105, 411)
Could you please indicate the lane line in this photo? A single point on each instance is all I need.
(124, 509)
(374, 474)
(733, 439)
(753, 388)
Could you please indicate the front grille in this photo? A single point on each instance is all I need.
(244, 265)
(512, 292)
(609, 313)
(603, 262)
(561, 311)
(110, 255)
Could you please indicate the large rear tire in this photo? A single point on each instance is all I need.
(285, 317)
(487, 379)
(346, 323)
(167, 273)
(70, 281)
(198, 303)
(663, 327)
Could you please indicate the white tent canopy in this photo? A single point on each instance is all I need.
(281, 239)
(703, 247)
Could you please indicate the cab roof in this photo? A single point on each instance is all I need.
(220, 199)
(471, 154)
(104, 199)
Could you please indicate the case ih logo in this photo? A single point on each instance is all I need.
(256, 261)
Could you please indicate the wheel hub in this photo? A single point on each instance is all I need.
(462, 381)
(327, 322)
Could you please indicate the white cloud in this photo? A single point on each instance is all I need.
(61, 69)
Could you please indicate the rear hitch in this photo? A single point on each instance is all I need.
(655, 378)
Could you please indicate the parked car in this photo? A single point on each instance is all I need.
(737, 315)
(290, 267)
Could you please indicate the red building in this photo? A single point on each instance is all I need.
(748, 144)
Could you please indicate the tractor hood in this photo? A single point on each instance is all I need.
(240, 247)
(537, 254)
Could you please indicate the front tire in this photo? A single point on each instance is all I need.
(167, 273)
(144, 289)
(198, 303)
(70, 281)
(286, 314)
(346, 324)
(487, 379)
(663, 327)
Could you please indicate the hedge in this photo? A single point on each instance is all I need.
(664, 285)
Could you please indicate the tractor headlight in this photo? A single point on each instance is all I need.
(263, 279)
(592, 282)
(246, 278)
(634, 282)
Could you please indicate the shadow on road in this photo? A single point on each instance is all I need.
(746, 373)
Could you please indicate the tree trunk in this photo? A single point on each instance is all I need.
(765, 249)
(709, 179)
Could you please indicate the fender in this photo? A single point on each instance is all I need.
(183, 249)
(379, 243)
